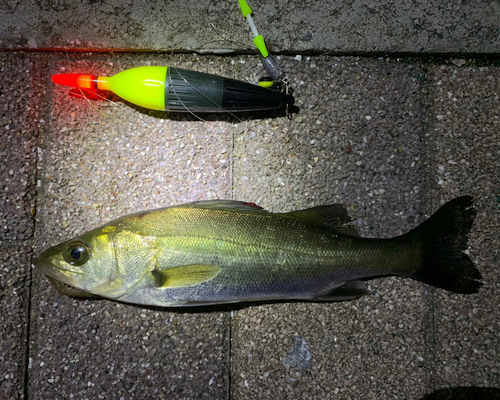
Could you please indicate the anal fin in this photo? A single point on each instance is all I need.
(350, 290)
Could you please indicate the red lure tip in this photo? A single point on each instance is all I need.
(66, 79)
(75, 80)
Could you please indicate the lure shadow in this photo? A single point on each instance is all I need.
(232, 117)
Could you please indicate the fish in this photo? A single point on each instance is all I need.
(226, 251)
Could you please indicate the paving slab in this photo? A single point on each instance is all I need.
(466, 141)
(383, 26)
(19, 111)
(14, 302)
(372, 133)
(358, 140)
(99, 161)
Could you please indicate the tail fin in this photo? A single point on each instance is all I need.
(443, 238)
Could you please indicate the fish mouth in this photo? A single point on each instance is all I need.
(54, 271)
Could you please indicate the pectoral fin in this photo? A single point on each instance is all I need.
(184, 276)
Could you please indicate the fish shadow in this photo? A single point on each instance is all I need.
(204, 309)
(464, 393)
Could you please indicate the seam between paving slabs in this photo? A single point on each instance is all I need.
(39, 63)
(231, 312)
(429, 151)
(14, 244)
(427, 99)
(230, 358)
(28, 332)
(433, 204)
(43, 97)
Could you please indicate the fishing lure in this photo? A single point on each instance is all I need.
(180, 90)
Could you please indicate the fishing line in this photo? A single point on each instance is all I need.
(182, 103)
(223, 34)
(83, 95)
(97, 109)
(201, 94)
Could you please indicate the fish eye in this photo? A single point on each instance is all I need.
(77, 253)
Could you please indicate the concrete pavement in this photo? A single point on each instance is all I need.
(335, 26)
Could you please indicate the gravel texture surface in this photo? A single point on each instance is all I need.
(19, 109)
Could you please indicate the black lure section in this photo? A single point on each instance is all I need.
(191, 91)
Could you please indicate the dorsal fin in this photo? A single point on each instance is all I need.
(333, 216)
(227, 205)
